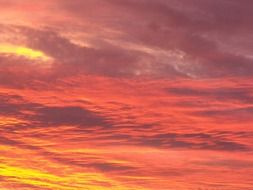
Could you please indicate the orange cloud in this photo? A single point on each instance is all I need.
(158, 99)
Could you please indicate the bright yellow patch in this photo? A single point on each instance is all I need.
(72, 181)
(23, 51)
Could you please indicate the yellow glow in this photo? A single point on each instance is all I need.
(76, 181)
(23, 51)
(5, 121)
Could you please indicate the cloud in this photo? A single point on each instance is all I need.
(196, 31)
(231, 115)
(165, 39)
(69, 116)
(203, 141)
(221, 94)
(136, 94)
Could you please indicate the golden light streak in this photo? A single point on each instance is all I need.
(74, 181)
(23, 52)
(5, 121)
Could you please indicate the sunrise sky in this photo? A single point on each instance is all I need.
(126, 95)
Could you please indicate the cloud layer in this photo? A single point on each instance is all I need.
(126, 95)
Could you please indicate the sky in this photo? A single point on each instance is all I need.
(126, 95)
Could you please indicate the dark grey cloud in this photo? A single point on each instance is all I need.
(213, 140)
(213, 36)
(13, 105)
(70, 59)
(229, 163)
(194, 141)
(68, 115)
(241, 94)
(229, 115)
(194, 27)
(42, 115)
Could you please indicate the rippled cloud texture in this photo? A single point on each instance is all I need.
(126, 95)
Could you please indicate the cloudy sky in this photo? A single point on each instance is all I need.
(126, 95)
